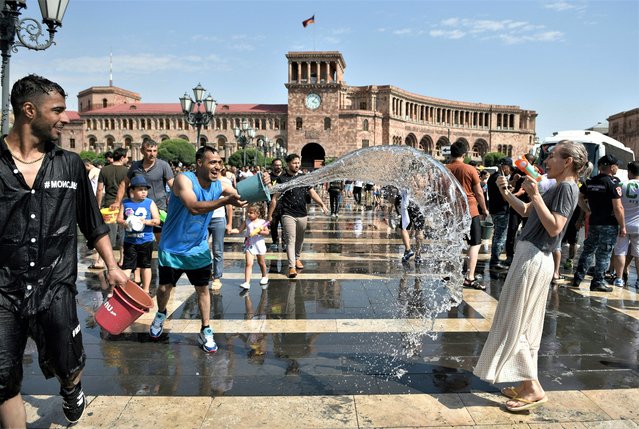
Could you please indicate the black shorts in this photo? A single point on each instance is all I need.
(137, 255)
(199, 277)
(474, 236)
(58, 338)
(415, 219)
(570, 236)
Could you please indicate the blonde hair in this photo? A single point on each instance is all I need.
(577, 151)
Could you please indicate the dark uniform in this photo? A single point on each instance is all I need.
(602, 230)
(38, 244)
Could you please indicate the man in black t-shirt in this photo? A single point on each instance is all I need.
(293, 212)
(603, 197)
(498, 209)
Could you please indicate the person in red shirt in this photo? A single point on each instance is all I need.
(467, 176)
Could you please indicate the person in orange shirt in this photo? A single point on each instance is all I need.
(467, 176)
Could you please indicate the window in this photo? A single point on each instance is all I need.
(362, 105)
(72, 143)
(298, 123)
(364, 143)
(327, 123)
(104, 102)
(365, 125)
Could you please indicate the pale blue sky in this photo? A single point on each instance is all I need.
(574, 62)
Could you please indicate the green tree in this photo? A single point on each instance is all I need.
(237, 158)
(176, 151)
(89, 154)
(491, 159)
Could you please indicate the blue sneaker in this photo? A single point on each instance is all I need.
(157, 327)
(619, 282)
(407, 255)
(206, 340)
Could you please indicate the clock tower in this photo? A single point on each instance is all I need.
(315, 83)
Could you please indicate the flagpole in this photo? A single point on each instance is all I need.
(313, 32)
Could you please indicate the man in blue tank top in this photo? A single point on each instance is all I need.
(184, 246)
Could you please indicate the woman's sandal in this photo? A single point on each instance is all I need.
(509, 392)
(528, 405)
(474, 284)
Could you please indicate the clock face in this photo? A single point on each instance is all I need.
(313, 101)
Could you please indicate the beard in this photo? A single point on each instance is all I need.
(43, 131)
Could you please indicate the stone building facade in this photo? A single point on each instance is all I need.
(624, 127)
(324, 118)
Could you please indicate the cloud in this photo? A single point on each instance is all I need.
(402, 31)
(143, 63)
(507, 30)
(453, 34)
(561, 6)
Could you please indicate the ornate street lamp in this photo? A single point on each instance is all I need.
(195, 116)
(244, 135)
(28, 31)
(266, 145)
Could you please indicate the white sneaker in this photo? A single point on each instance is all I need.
(207, 341)
(245, 285)
(156, 328)
(264, 281)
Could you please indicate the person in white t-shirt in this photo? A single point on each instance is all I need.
(629, 243)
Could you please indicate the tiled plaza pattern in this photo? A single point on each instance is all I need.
(336, 345)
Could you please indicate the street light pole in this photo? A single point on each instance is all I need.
(264, 145)
(195, 116)
(244, 136)
(28, 31)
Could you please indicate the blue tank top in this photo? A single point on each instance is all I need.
(184, 242)
(141, 209)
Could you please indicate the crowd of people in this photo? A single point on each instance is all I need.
(47, 191)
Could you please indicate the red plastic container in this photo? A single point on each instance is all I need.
(117, 313)
(136, 295)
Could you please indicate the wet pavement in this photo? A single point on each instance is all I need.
(341, 347)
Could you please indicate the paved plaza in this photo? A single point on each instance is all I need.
(339, 347)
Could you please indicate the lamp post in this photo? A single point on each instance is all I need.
(195, 116)
(265, 144)
(28, 31)
(244, 135)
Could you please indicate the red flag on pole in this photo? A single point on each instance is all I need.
(311, 20)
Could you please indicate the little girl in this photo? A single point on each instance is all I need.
(256, 228)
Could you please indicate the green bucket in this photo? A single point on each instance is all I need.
(253, 189)
(486, 230)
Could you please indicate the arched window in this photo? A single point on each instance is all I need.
(104, 102)
(327, 123)
(365, 125)
(298, 123)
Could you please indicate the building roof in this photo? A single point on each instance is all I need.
(176, 109)
(73, 115)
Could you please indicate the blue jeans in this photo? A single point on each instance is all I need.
(217, 228)
(500, 222)
(599, 243)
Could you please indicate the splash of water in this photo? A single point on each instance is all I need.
(437, 286)
(428, 183)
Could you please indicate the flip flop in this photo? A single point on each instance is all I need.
(509, 392)
(95, 267)
(528, 405)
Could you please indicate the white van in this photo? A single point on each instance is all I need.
(596, 144)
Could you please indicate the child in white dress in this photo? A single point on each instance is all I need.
(256, 229)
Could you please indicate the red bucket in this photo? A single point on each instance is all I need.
(117, 313)
(136, 295)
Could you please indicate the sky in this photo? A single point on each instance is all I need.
(574, 62)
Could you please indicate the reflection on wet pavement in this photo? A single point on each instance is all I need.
(346, 332)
